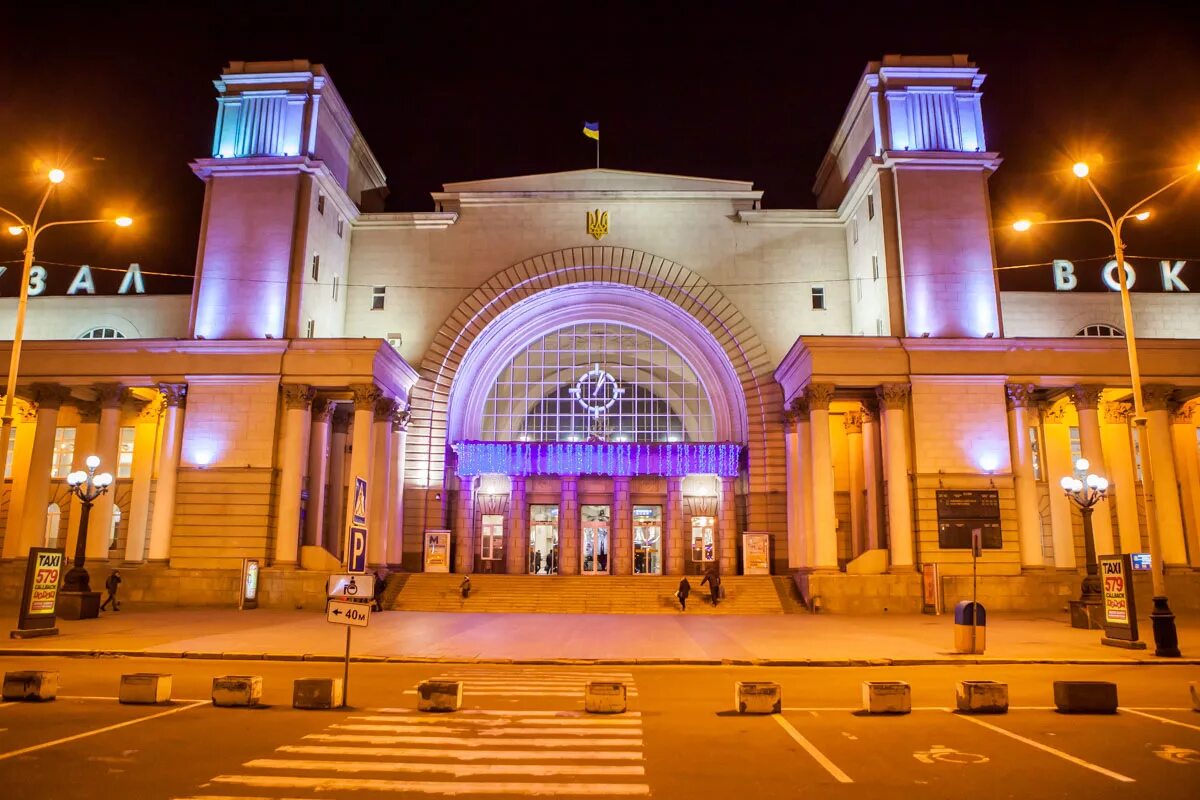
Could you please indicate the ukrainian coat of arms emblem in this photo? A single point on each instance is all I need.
(597, 223)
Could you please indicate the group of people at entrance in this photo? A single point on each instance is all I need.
(711, 577)
(544, 564)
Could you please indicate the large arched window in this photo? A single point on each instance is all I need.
(598, 381)
(102, 332)
(1100, 329)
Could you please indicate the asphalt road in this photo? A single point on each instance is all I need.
(522, 733)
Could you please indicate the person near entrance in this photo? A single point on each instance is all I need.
(537, 563)
(465, 587)
(682, 592)
(713, 579)
(111, 584)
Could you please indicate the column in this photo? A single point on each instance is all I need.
(516, 548)
(1122, 475)
(1156, 398)
(366, 395)
(622, 528)
(396, 523)
(108, 441)
(464, 526)
(335, 494)
(853, 423)
(893, 398)
(144, 438)
(293, 456)
(379, 485)
(1029, 520)
(674, 531)
(163, 520)
(804, 503)
(1058, 463)
(727, 538)
(1187, 462)
(1086, 399)
(318, 471)
(872, 477)
(568, 527)
(48, 398)
(824, 517)
(23, 433)
(794, 502)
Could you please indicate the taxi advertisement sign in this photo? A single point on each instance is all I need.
(1120, 614)
(39, 599)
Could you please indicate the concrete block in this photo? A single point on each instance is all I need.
(32, 685)
(981, 697)
(1195, 689)
(237, 690)
(604, 697)
(145, 688)
(317, 693)
(439, 695)
(757, 697)
(1085, 697)
(886, 697)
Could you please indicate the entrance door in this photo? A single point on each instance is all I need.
(594, 547)
(543, 539)
(703, 551)
(647, 540)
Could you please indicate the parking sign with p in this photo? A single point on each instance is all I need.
(356, 531)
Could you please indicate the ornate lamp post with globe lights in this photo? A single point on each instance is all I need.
(87, 486)
(1086, 493)
(1166, 638)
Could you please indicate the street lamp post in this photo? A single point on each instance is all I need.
(32, 231)
(87, 486)
(1086, 493)
(1166, 638)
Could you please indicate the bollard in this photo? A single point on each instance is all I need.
(1085, 697)
(757, 697)
(1195, 689)
(237, 690)
(145, 688)
(886, 697)
(604, 697)
(968, 638)
(317, 693)
(439, 695)
(30, 685)
(981, 697)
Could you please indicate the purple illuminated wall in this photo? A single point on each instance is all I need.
(597, 458)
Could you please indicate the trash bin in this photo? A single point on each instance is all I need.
(970, 638)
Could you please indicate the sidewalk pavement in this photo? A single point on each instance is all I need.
(794, 639)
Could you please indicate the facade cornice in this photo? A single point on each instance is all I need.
(592, 195)
(797, 218)
(426, 220)
(932, 159)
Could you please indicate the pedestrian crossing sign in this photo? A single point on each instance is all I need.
(359, 509)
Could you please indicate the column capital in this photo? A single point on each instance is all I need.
(322, 409)
(385, 407)
(1085, 396)
(1019, 395)
(789, 421)
(151, 410)
(800, 408)
(400, 420)
(893, 395)
(1054, 413)
(1116, 413)
(1157, 396)
(174, 394)
(109, 395)
(1183, 414)
(89, 412)
(28, 412)
(853, 421)
(365, 396)
(49, 396)
(341, 418)
(297, 395)
(819, 395)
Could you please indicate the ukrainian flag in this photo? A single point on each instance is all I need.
(592, 130)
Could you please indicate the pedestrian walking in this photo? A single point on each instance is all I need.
(111, 584)
(713, 579)
(380, 585)
(537, 563)
(682, 592)
(465, 587)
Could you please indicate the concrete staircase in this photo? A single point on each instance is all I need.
(601, 594)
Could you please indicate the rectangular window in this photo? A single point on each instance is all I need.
(341, 226)
(818, 298)
(336, 284)
(870, 206)
(879, 327)
(1076, 449)
(311, 330)
(125, 453)
(316, 268)
(1035, 447)
(491, 537)
(12, 446)
(854, 227)
(378, 294)
(858, 282)
(875, 266)
(321, 203)
(64, 452)
(702, 538)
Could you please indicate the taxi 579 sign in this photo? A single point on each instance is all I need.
(1120, 613)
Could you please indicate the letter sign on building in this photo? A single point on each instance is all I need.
(1065, 279)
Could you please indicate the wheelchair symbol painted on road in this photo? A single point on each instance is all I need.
(940, 754)
(1178, 755)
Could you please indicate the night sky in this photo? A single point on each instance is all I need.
(121, 94)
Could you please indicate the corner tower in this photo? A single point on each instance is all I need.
(289, 173)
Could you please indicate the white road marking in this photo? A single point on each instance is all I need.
(445, 719)
(435, 787)
(812, 750)
(471, 742)
(1046, 748)
(85, 734)
(468, 690)
(509, 731)
(457, 770)
(513, 713)
(463, 755)
(1162, 719)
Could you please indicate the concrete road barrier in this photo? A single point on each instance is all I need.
(317, 693)
(237, 690)
(31, 685)
(757, 697)
(604, 697)
(439, 695)
(145, 688)
(981, 697)
(1195, 688)
(1085, 697)
(886, 697)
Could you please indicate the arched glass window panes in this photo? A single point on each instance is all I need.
(102, 333)
(1100, 329)
(597, 381)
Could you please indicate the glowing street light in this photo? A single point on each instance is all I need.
(87, 486)
(1166, 638)
(32, 231)
(1086, 493)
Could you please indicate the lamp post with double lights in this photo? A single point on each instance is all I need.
(87, 486)
(1166, 638)
(32, 230)
(1086, 493)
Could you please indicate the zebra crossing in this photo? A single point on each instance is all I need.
(475, 752)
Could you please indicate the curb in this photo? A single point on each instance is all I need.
(602, 662)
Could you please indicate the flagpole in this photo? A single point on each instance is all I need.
(597, 152)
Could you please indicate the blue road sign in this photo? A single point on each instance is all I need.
(359, 508)
(356, 549)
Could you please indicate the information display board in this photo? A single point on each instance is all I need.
(1120, 613)
(960, 512)
(39, 599)
(437, 551)
(249, 593)
(756, 554)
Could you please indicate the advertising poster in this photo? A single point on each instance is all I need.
(1120, 615)
(756, 554)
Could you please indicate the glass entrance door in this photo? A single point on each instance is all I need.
(594, 547)
(647, 540)
(702, 542)
(543, 540)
